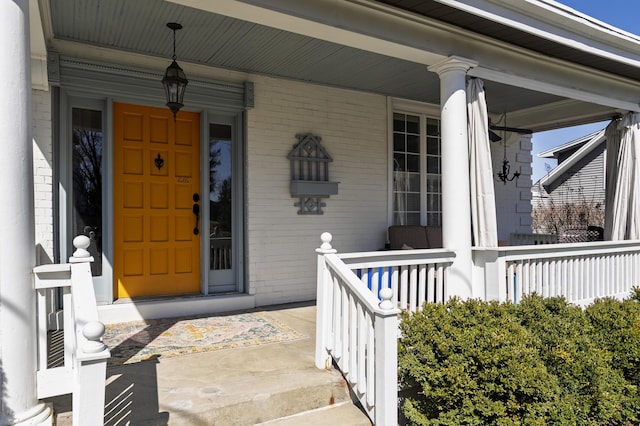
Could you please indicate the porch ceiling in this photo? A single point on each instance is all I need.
(221, 41)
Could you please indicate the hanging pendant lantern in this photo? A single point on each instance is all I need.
(174, 80)
(506, 167)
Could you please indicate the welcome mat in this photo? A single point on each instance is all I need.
(137, 341)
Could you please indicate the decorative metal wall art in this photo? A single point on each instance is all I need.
(159, 161)
(309, 162)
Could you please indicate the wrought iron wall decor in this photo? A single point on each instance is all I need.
(310, 183)
(159, 161)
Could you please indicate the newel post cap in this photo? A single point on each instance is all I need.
(81, 243)
(93, 332)
(326, 247)
(385, 295)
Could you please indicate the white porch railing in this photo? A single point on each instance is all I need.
(357, 306)
(359, 333)
(581, 272)
(414, 276)
(85, 356)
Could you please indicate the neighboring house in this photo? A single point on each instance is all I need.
(572, 194)
(211, 204)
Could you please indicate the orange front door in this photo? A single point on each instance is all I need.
(156, 185)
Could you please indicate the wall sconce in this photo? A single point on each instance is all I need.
(174, 80)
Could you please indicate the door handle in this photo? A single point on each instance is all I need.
(196, 212)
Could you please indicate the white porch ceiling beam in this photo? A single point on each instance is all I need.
(563, 113)
(599, 92)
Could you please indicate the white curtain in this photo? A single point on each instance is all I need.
(483, 204)
(622, 205)
(400, 188)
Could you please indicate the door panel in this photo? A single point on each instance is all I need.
(156, 174)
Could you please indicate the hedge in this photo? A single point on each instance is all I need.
(541, 362)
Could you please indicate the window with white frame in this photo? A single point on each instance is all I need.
(416, 188)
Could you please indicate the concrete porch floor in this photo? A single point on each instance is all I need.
(271, 384)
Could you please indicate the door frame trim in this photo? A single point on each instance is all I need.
(95, 81)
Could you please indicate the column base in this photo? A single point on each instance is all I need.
(40, 415)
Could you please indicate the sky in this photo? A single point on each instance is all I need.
(623, 14)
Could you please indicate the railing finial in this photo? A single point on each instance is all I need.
(326, 238)
(386, 294)
(93, 332)
(81, 243)
(325, 247)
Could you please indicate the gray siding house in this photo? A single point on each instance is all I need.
(572, 195)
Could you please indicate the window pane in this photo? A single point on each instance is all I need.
(398, 142)
(220, 190)
(413, 202)
(413, 124)
(433, 146)
(434, 219)
(414, 182)
(87, 180)
(433, 183)
(413, 219)
(433, 164)
(433, 127)
(399, 123)
(413, 163)
(413, 144)
(399, 163)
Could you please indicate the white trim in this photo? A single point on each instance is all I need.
(559, 23)
(563, 90)
(573, 159)
(551, 153)
(413, 107)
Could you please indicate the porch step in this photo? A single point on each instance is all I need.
(250, 385)
(254, 397)
(298, 397)
(343, 414)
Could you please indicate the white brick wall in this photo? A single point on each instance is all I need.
(513, 199)
(281, 243)
(42, 169)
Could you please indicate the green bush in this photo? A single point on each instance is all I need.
(472, 363)
(617, 328)
(565, 340)
(540, 362)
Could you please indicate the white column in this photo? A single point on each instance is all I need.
(18, 403)
(456, 189)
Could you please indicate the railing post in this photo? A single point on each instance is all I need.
(386, 356)
(323, 301)
(491, 268)
(91, 353)
(89, 385)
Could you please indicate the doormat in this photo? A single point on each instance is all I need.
(138, 341)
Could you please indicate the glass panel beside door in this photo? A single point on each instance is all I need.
(221, 215)
(87, 180)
